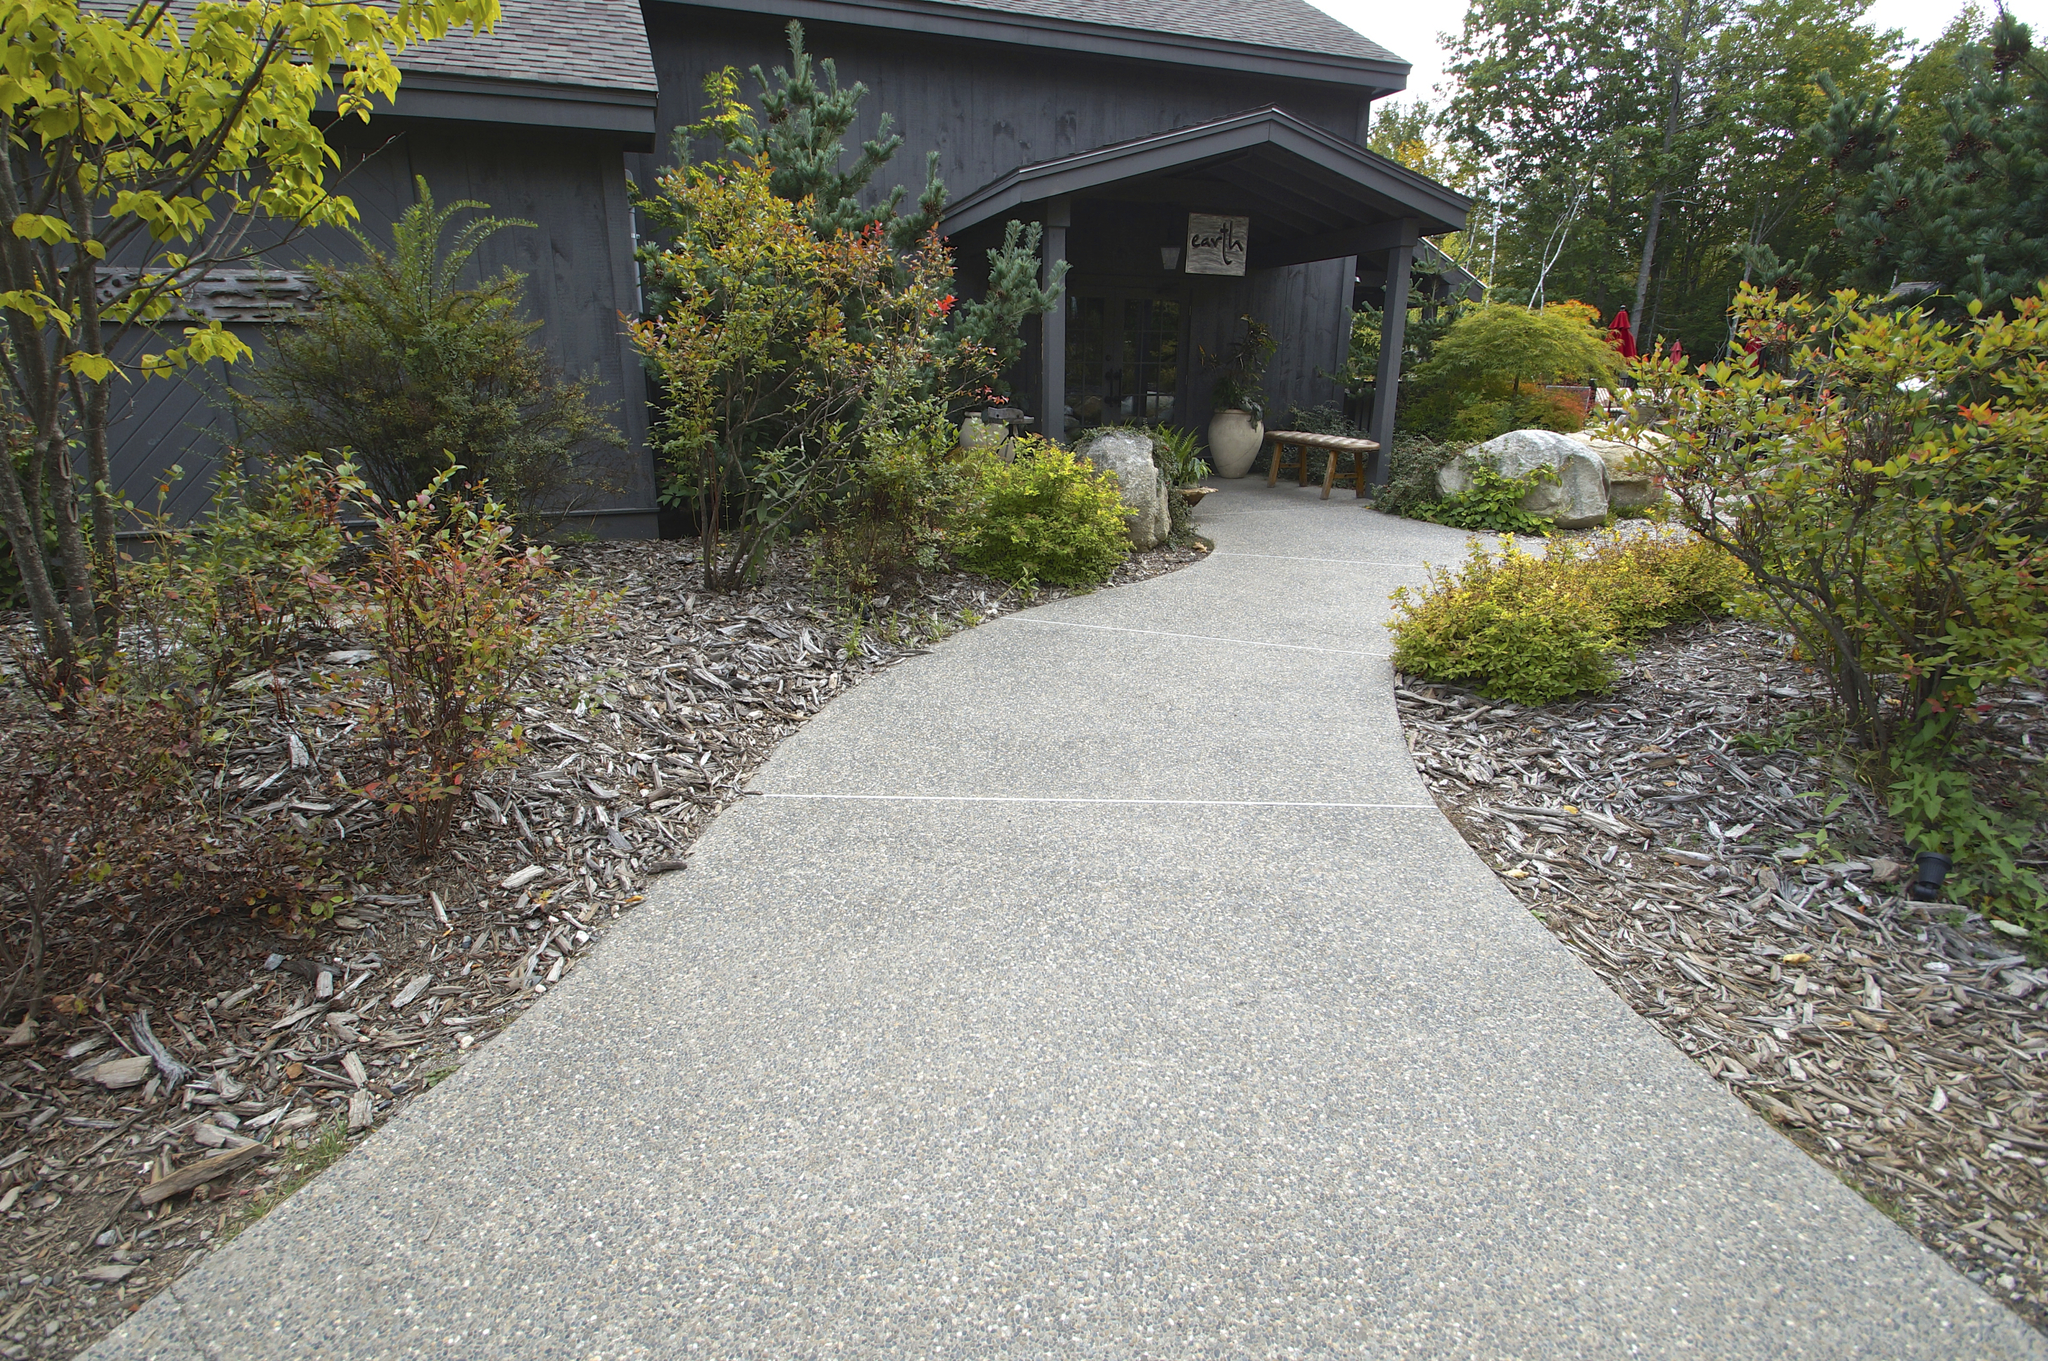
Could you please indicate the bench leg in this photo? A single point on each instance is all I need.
(1329, 471)
(1273, 469)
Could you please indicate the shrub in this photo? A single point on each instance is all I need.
(1652, 583)
(1325, 419)
(1509, 625)
(1412, 467)
(1511, 346)
(235, 590)
(461, 623)
(113, 810)
(1878, 473)
(414, 375)
(1532, 629)
(801, 338)
(786, 359)
(1048, 517)
(909, 488)
(1530, 408)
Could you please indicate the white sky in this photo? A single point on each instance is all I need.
(1411, 30)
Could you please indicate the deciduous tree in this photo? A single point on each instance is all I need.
(142, 148)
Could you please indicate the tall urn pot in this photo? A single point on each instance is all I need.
(1234, 440)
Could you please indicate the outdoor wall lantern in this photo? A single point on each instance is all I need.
(1169, 257)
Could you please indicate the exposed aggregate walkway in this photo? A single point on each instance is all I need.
(1104, 984)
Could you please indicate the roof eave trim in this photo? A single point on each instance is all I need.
(1030, 30)
(1092, 169)
(628, 115)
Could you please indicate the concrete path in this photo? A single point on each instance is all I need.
(1104, 984)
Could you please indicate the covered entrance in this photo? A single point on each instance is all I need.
(1154, 287)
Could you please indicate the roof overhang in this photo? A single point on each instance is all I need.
(1312, 195)
(625, 115)
(1066, 35)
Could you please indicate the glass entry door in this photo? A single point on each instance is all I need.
(1123, 357)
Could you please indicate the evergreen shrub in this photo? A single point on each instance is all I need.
(413, 375)
(1411, 475)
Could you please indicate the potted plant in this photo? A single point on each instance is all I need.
(1238, 428)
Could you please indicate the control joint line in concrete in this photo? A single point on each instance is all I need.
(1348, 562)
(1197, 637)
(1055, 798)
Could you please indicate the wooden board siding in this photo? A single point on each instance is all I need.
(578, 263)
(985, 108)
(988, 109)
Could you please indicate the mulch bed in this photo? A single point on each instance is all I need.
(1692, 837)
(294, 1046)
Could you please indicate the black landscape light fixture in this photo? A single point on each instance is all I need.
(1931, 867)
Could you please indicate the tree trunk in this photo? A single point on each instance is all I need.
(1649, 253)
(1676, 56)
(22, 519)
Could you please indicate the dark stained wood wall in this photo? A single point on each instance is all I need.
(985, 108)
(988, 109)
(580, 277)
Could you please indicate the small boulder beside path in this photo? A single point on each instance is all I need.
(1577, 498)
(1128, 453)
(1629, 484)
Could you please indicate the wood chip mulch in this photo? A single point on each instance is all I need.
(1691, 837)
(120, 1165)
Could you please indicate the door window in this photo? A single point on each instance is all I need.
(1123, 357)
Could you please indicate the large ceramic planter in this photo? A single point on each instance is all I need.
(1234, 440)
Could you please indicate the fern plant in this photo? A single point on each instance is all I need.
(414, 375)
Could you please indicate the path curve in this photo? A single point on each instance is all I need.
(1103, 984)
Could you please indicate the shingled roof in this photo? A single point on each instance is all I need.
(1293, 25)
(594, 44)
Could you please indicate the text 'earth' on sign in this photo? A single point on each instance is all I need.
(1216, 245)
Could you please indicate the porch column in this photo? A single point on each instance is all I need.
(1393, 333)
(1052, 327)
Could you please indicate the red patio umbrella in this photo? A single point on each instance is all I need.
(1620, 336)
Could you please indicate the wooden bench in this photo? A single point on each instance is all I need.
(1302, 441)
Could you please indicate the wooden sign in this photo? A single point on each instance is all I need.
(1216, 245)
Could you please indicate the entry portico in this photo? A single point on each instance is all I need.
(1135, 315)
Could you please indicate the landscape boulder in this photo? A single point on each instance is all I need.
(1575, 499)
(1128, 454)
(1629, 484)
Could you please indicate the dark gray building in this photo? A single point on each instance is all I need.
(1123, 126)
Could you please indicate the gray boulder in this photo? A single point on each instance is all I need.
(1128, 454)
(1576, 499)
(1629, 485)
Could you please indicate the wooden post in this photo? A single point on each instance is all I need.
(1052, 327)
(1393, 334)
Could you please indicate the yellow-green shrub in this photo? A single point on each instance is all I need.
(1046, 516)
(1531, 629)
(1652, 583)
